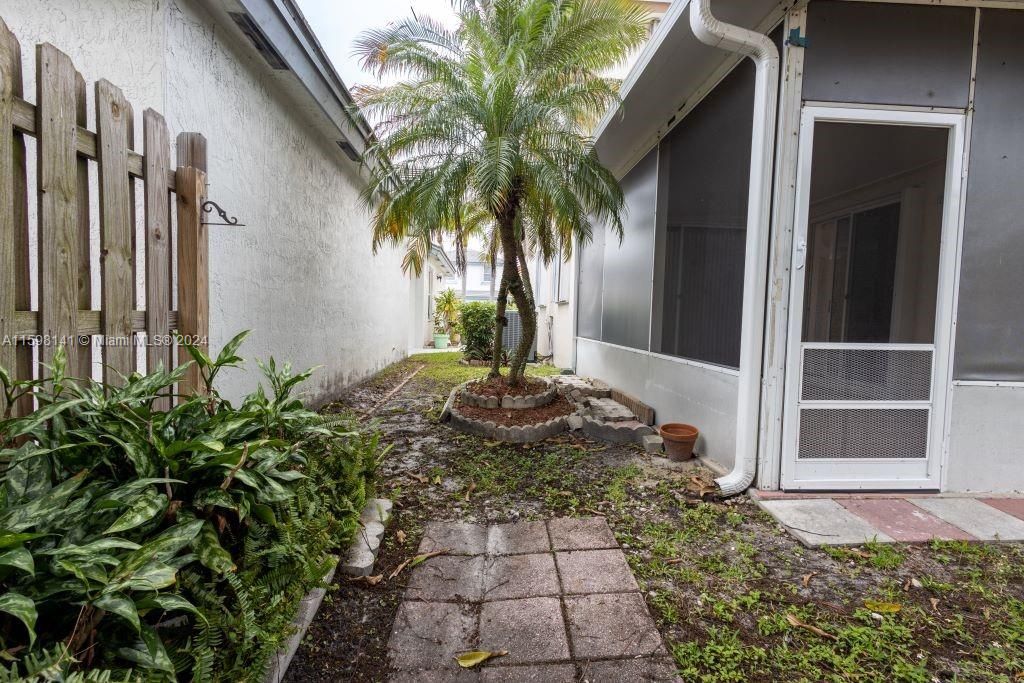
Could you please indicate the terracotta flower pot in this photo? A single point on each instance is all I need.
(679, 439)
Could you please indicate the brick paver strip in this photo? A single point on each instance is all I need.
(428, 635)
(903, 520)
(519, 576)
(447, 578)
(1011, 506)
(458, 538)
(611, 625)
(534, 673)
(515, 587)
(530, 629)
(519, 537)
(586, 533)
(595, 571)
(631, 670)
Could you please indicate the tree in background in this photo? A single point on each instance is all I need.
(493, 119)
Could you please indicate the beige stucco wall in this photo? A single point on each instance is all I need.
(300, 275)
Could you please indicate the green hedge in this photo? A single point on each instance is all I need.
(477, 321)
(167, 544)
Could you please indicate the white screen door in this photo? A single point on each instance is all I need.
(878, 196)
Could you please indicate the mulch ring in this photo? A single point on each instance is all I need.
(500, 387)
(521, 417)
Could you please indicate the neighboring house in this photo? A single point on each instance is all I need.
(283, 158)
(554, 293)
(480, 281)
(829, 290)
(437, 270)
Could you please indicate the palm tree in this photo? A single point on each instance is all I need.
(494, 117)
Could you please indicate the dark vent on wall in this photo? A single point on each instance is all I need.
(259, 40)
(348, 149)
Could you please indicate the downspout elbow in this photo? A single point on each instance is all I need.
(761, 49)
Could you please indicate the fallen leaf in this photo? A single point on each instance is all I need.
(400, 535)
(795, 621)
(437, 479)
(368, 580)
(806, 581)
(675, 560)
(860, 553)
(470, 489)
(419, 477)
(883, 607)
(467, 660)
(413, 561)
(935, 604)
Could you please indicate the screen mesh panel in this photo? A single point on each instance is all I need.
(863, 433)
(852, 374)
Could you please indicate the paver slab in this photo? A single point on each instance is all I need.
(447, 578)
(595, 571)
(519, 537)
(903, 520)
(535, 673)
(630, 671)
(436, 676)
(612, 625)
(585, 533)
(976, 518)
(1011, 506)
(823, 522)
(458, 538)
(428, 635)
(507, 577)
(530, 629)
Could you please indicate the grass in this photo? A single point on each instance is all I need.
(735, 598)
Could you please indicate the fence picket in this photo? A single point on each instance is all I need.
(157, 155)
(118, 278)
(10, 72)
(193, 277)
(80, 353)
(58, 179)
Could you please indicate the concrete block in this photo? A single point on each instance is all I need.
(583, 533)
(508, 402)
(653, 443)
(976, 518)
(428, 635)
(518, 537)
(575, 422)
(530, 629)
(595, 571)
(597, 624)
(510, 577)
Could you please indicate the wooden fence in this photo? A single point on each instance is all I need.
(65, 150)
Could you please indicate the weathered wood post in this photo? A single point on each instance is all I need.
(193, 255)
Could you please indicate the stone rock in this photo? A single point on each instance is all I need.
(575, 422)
(653, 443)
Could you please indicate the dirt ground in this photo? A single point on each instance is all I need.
(735, 597)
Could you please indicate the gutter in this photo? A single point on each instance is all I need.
(765, 55)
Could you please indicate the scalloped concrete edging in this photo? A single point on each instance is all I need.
(374, 518)
(517, 434)
(510, 402)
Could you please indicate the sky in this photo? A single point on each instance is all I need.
(337, 23)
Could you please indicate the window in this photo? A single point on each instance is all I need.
(561, 278)
(487, 272)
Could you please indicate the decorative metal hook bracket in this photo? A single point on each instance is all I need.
(209, 206)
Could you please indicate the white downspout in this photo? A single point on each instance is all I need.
(762, 50)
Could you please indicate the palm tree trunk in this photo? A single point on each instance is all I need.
(528, 316)
(499, 326)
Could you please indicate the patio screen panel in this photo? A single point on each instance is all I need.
(590, 285)
(706, 162)
(875, 53)
(990, 322)
(629, 265)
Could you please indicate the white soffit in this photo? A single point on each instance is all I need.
(669, 70)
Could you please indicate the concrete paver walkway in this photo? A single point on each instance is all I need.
(850, 519)
(557, 595)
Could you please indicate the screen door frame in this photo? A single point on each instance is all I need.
(873, 473)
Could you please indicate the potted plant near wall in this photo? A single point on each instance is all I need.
(446, 307)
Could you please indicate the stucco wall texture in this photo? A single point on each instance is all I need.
(300, 275)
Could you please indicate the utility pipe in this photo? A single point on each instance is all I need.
(765, 55)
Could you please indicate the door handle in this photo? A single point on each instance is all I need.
(801, 254)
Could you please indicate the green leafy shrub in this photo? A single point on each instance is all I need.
(477, 318)
(165, 544)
